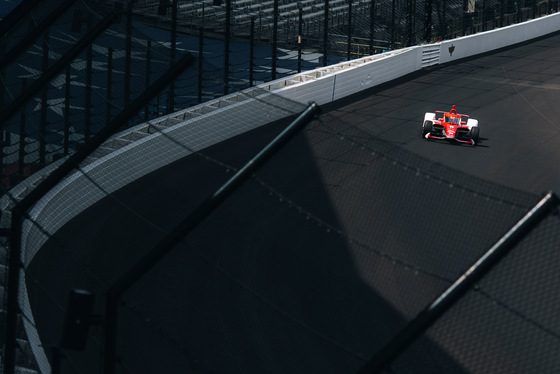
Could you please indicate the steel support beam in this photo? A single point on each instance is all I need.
(425, 319)
(187, 226)
(275, 39)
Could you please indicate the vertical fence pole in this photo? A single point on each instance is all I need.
(22, 134)
(185, 227)
(171, 98)
(326, 33)
(371, 26)
(444, 20)
(44, 101)
(428, 22)
(252, 52)
(274, 39)
(393, 8)
(89, 62)
(435, 310)
(226, 47)
(409, 10)
(465, 16)
(128, 54)
(109, 84)
(300, 37)
(200, 62)
(349, 41)
(67, 99)
(2, 74)
(502, 12)
(12, 305)
(148, 73)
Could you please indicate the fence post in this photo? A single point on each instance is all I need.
(465, 16)
(89, 62)
(185, 227)
(300, 37)
(275, 39)
(393, 9)
(128, 54)
(326, 33)
(67, 94)
(200, 62)
(148, 73)
(22, 134)
(428, 22)
(349, 42)
(109, 84)
(44, 102)
(443, 20)
(371, 26)
(409, 10)
(171, 98)
(226, 47)
(252, 52)
(425, 319)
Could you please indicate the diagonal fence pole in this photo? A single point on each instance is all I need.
(56, 68)
(32, 36)
(185, 227)
(425, 319)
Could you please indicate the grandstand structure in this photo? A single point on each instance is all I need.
(272, 17)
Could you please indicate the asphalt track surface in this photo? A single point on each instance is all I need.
(344, 237)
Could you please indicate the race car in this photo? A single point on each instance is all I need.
(450, 126)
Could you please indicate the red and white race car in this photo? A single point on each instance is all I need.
(450, 126)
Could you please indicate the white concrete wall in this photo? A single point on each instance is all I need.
(78, 192)
(488, 41)
(340, 80)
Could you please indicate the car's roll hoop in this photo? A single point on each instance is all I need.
(451, 126)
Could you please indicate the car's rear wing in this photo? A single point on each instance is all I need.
(441, 111)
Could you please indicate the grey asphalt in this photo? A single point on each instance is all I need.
(339, 241)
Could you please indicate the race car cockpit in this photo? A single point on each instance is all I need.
(452, 119)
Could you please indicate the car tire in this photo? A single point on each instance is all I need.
(475, 134)
(426, 128)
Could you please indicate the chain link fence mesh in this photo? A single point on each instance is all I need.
(315, 263)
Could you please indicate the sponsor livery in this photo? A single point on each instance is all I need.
(450, 126)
